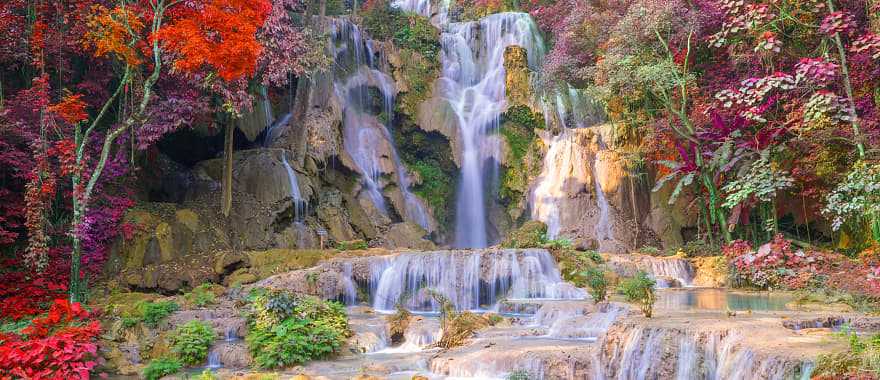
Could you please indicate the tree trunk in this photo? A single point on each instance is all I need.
(226, 201)
(873, 8)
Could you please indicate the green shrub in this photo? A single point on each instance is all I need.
(435, 186)
(287, 329)
(191, 341)
(523, 116)
(161, 367)
(203, 295)
(519, 374)
(558, 243)
(407, 30)
(353, 245)
(640, 289)
(597, 283)
(151, 313)
(862, 357)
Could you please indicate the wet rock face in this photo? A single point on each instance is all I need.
(516, 66)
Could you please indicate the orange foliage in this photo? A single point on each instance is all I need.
(110, 32)
(221, 35)
(70, 109)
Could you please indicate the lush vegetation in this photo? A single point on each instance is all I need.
(286, 329)
(159, 368)
(862, 360)
(151, 313)
(596, 279)
(639, 289)
(191, 341)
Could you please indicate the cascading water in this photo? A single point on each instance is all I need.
(677, 269)
(470, 280)
(365, 136)
(473, 82)
(299, 204)
(563, 169)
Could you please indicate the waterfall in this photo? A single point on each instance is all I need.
(349, 295)
(365, 136)
(470, 280)
(214, 359)
(299, 204)
(563, 168)
(677, 269)
(473, 82)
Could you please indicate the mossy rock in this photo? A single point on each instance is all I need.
(273, 261)
(126, 303)
(530, 235)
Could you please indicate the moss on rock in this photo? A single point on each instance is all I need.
(530, 235)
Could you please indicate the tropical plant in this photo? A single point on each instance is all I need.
(640, 289)
(159, 368)
(191, 341)
(597, 283)
(857, 198)
(151, 313)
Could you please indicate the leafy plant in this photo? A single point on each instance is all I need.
(857, 198)
(286, 329)
(352, 245)
(191, 341)
(519, 374)
(203, 295)
(597, 283)
(161, 367)
(640, 289)
(60, 345)
(151, 313)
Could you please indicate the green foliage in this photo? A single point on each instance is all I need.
(530, 235)
(11, 326)
(190, 342)
(420, 74)
(639, 289)
(762, 181)
(407, 30)
(161, 367)
(287, 329)
(597, 283)
(862, 357)
(523, 116)
(519, 374)
(151, 313)
(435, 187)
(857, 198)
(556, 244)
(352, 245)
(203, 295)
(518, 139)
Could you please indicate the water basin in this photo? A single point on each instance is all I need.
(722, 300)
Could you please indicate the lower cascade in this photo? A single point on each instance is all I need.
(470, 280)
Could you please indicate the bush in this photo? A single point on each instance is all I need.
(639, 289)
(597, 283)
(61, 345)
(203, 295)
(161, 367)
(519, 374)
(287, 329)
(151, 313)
(352, 245)
(191, 341)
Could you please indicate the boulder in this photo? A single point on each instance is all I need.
(530, 235)
(710, 271)
(407, 235)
